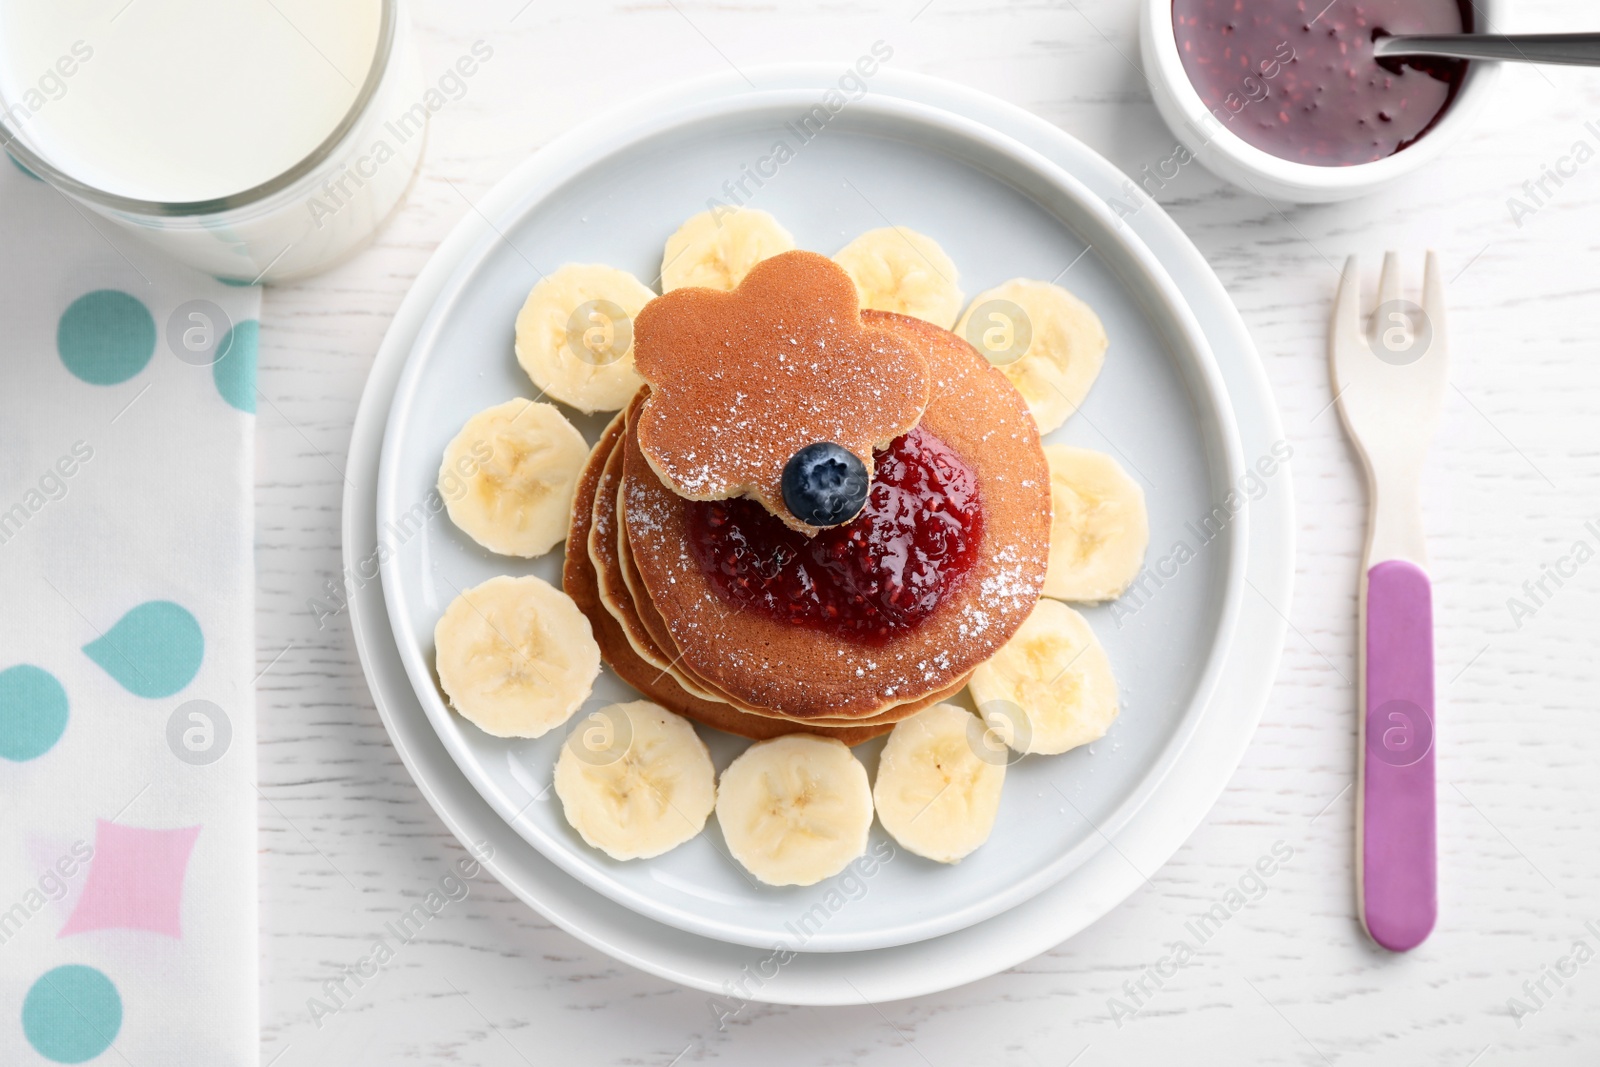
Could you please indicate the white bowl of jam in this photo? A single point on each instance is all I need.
(1285, 98)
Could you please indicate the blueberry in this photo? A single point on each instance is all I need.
(825, 484)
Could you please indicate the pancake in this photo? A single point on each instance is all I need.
(623, 595)
(578, 578)
(888, 715)
(805, 673)
(602, 548)
(616, 592)
(603, 487)
(740, 381)
(610, 586)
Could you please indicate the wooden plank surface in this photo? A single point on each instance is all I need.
(348, 842)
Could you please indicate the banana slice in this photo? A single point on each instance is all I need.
(635, 780)
(938, 787)
(509, 476)
(901, 270)
(515, 656)
(796, 809)
(1047, 341)
(575, 335)
(1099, 529)
(715, 250)
(1050, 687)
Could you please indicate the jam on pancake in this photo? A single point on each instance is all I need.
(866, 581)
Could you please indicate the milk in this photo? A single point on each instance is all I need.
(184, 101)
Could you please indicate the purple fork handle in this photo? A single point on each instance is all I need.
(1399, 889)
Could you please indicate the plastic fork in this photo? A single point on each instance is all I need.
(1389, 383)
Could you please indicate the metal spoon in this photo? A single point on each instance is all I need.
(1567, 49)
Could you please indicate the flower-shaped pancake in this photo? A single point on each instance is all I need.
(742, 381)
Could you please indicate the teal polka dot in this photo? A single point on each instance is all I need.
(72, 1014)
(152, 651)
(33, 712)
(106, 337)
(237, 283)
(235, 370)
(18, 164)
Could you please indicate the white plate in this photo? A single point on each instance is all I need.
(1001, 211)
(1155, 832)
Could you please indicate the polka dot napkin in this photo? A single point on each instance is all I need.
(127, 773)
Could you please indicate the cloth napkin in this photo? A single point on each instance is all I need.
(127, 763)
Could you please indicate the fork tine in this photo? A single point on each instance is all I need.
(1389, 280)
(1433, 295)
(1347, 305)
(1388, 290)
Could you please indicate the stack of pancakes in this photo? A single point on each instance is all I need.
(667, 632)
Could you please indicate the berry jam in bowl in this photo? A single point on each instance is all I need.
(1285, 98)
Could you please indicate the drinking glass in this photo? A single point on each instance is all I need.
(301, 221)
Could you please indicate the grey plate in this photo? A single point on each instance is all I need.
(1000, 211)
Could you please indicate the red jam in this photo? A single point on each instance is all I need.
(878, 575)
(1297, 78)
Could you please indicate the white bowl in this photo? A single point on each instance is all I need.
(1226, 154)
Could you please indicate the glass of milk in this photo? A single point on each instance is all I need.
(258, 140)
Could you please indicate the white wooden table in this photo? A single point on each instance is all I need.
(348, 842)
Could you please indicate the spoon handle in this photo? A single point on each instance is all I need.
(1568, 49)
